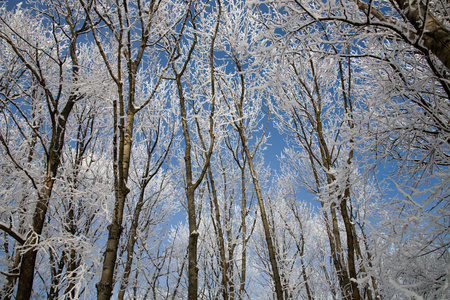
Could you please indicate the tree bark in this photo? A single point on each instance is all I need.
(435, 36)
(190, 184)
(244, 234)
(351, 239)
(220, 236)
(192, 244)
(265, 222)
(106, 284)
(28, 261)
(131, 242)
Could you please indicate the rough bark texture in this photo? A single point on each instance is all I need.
(435, 36)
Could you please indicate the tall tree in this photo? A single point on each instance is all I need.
(132, 29)
(190, 74)
(317, 108)
(405, 105)
(360, 93)
(245, 104)
(47, 60)
(154, 203)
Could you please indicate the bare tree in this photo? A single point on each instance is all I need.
(45, 63)
(133, 29)
(153, 202)
(189, 109)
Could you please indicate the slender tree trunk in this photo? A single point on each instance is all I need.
(302, 252)
(105, 285)
(192, 244)
(369, 262)
(71, 269)
(244, 234)
(229, 232)
(305, 278)
(330, 283)
(265, 222)
(190, 197)
(130, 245)
(28, 261)
(190, 194)
(59, 122)
(71, 227)
(26, 277)
(56, 270)
(350, 249)
(338, 256)
(8, 290)
(191, 186)
(220, 236)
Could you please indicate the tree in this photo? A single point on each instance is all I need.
(197, 102)
(134, 47)
(75, 225)
(39, 105)
(316, 107)
(291, 221)
(116, 114)
(245, 104)
(404, 105)
(154, 187)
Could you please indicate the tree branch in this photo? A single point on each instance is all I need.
(12, 232)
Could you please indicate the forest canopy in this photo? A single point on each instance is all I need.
(206, 149)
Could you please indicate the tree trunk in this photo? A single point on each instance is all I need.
(435, 37)
(28, 262)
(106, 283)
(192, 246)
(338, 256)
(191, 186)
(132, 238)
(244, 234)
(265, 222)
(130, 245)
(220, 237)
(351, 239)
